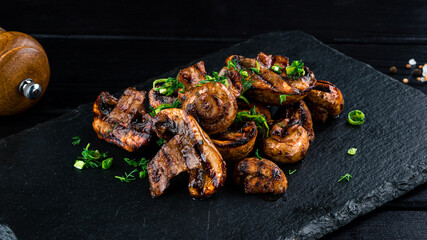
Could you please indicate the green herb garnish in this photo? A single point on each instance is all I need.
(77, 140)
(246, 84)
(128, 177)
(347, 177)
(79, 164)
(90, 158)
(175, 104)
(296, 69)
(256, 70)
(352, 151)
(356, 117)
(106, 163)
(215, 78)
(252, 115)
(283, 126)
(161, 141)
(257, 155)
(276, 68)
(170, 85)
(232, 64)
(283, 98)
(142, 163)
(290, 173)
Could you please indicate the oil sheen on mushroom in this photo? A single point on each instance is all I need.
(260, 176)
(189, 149)
(212, 105)
(290, 137)
(124, 121)
(237, 141)
(325, 100)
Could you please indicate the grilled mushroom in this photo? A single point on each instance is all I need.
(267, 85)
(124, 121)
(191, 76)
(260, 176)
(212, 105)
(190, 149)
(324, 100)
(237, 141)
(290, 137)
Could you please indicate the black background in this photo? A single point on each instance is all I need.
(108, 45)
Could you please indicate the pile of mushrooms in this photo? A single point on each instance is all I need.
(213, 121)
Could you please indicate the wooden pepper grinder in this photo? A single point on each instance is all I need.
(24, 72)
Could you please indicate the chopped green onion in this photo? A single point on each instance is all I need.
(256, 70)
(296, 69)
(106, 163)
(356, 117)
(352, 151)
(257, 155)
(283, 98)
(244, 73)
(290, 173)
(79, 164)
(91, 157)
(347, 177)
(276, 68)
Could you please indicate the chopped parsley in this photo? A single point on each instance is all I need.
(128, 177)
(77, 140)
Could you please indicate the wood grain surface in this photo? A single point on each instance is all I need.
(109, 45)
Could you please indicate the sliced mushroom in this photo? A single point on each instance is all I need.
(190, 149)
(260, 176)
(124, 121)
(290, 138)
(191, 76)
(237, 141)
(212, 105)
(267, 85)
(325, 100)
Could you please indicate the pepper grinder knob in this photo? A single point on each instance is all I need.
(30, 89)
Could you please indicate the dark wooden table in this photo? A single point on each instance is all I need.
(110, 45)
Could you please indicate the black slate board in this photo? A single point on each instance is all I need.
(43, 196)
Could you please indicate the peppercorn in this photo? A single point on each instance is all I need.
(421, 66)
(418, 79)
(417, 72)
(393, 69)
(405, 80)
(408, 66)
